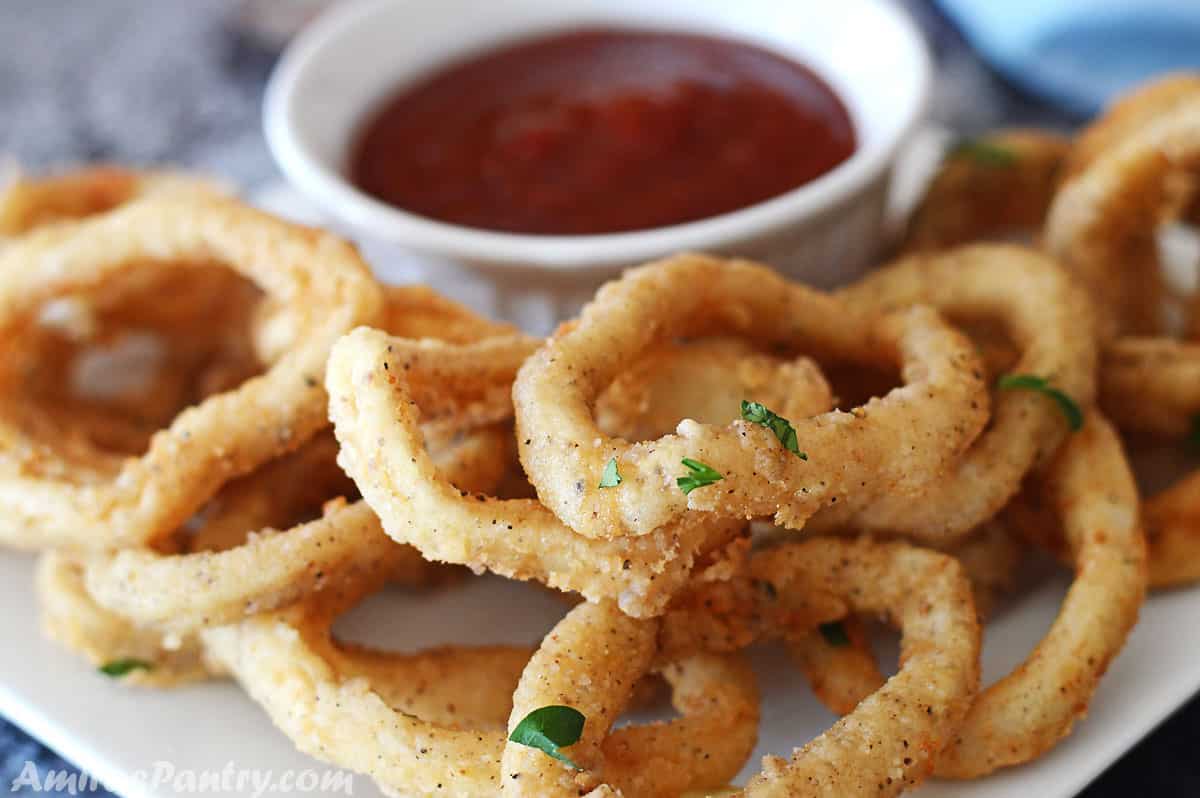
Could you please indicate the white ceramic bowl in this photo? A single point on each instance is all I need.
(824, 232)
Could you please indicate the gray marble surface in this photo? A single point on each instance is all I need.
(146, 82)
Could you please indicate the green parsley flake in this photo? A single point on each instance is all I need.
(611, 477)
(1032, 382)
(123, 667)
(701, 475)
(549, 729)
(982, 152)
(756, 413)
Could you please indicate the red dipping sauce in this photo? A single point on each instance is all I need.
(602, 131)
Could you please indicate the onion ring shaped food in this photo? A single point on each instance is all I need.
(417, 311)
(225, 436)
(241, 561)
(933, 417)
(376, 422)
(1049, 318)
(1151, 385)
(72, 618)
(706, 380)
(270, 570)
(289, 664)
(843, 672)
(1029, 711)
(902, 725)
(1172, 521)
(706, 747)
(29, 203)
(1128, 114)
(972, 198)
(888, 743)
(1103, 221)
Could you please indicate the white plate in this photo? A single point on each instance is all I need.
(122, 736)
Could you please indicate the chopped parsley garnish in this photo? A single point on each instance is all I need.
(701, 474)
(982, 152)
(755, 413)
(610, 477)
(123, 667)
(1032, 382)
(834, 634)
(550, 728)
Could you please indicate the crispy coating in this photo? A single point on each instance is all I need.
(706, 380)
(1029, 711)
(1151, 385)
(256, 551)
(1172, 521)
(376, 422)
(1127, 115)
(289, 663)
(972, 199)
(1103, 220)
(165, 354)
(1048, 317)
(933, 417)
(715, 694)
(227, 435)
(29, 203)
(841, 675)
(888, 743)
(72, 618)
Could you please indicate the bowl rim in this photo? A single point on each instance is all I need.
(329, 188)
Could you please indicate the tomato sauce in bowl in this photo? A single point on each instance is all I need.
(602, 131)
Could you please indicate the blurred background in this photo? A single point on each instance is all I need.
(145, 82)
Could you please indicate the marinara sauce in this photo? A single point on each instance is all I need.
(602, 131)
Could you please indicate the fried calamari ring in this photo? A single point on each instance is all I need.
(27, 204)
(706, 380)
(247, 556)
(290, 665)
(838, 662)
(934, 417)
(72, 618)
(888, 743)
(575, 666)
(376, 422)
(1050, 320)
(841, 673)
(417, 311)
(1005, 188)
(50, 502)
(115, 372)
(1172, 521)
(1151, 385)
(1103, 221)
(1127, 115)
(1029, 711)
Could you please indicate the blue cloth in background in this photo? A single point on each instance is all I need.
(1081, 53)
